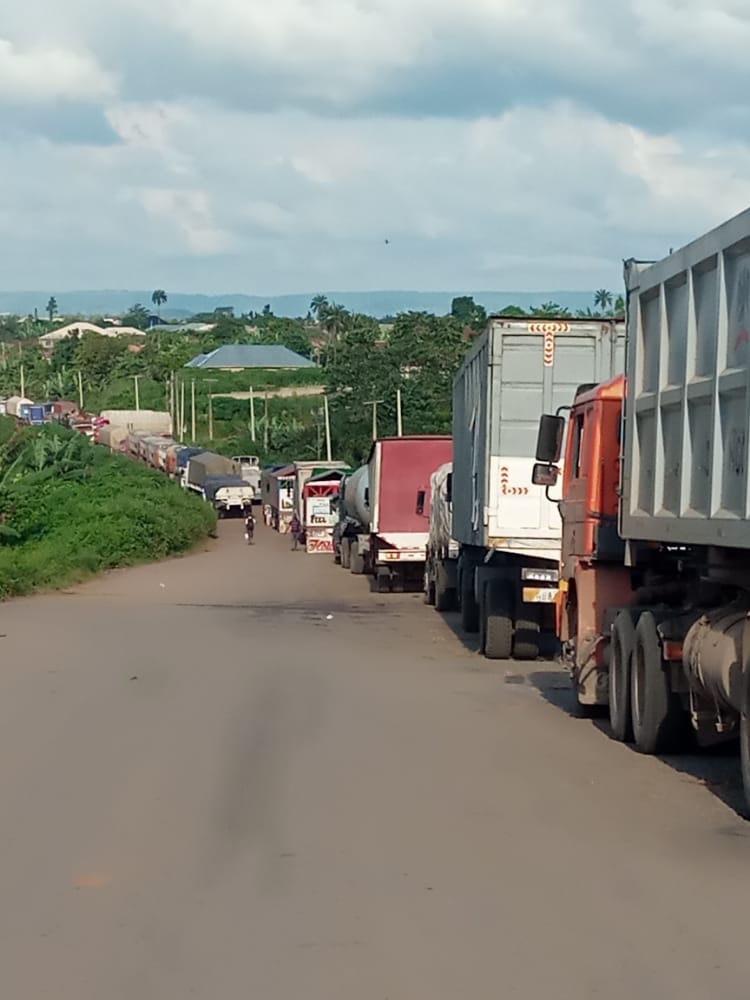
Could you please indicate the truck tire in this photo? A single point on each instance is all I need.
(430, 588)
(527, 634)
(356, 561)
(445, 596)
(383, 580)
(469, 606)
(660, 723)
(498, 629)
(346, 553)
(620, 660)
(745, 739)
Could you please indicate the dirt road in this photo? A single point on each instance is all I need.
(242, 775)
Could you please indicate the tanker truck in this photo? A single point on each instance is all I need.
(354, 515)
(440, 572)
(393, 510)
(508, 535)
(655, 502)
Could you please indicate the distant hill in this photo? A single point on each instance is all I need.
(182, 305)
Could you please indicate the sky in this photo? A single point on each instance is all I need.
(270, 147)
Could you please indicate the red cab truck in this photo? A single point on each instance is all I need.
(655, 503)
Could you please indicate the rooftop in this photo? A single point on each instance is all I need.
(238, 356)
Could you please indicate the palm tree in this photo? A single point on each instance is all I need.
(159, 298)
(603, 299)
(619, 306)
(336, 321)
(319, 307)
(52, 308)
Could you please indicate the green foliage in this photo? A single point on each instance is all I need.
(99, 359)
(69, 509)
(52, 308)
(466, 312)
(137, 316)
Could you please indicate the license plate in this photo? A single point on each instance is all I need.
(539, 595)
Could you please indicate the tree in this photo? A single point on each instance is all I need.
(64, 353)
(513, 311)
(551, 309)
(137, 316)
(159, 298)
(465, 311)
(336, 322)
(603, 299)
(100, 359)
(619, 306)
(52, 308)
(319, 307)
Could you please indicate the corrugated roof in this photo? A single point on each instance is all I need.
(250, 356)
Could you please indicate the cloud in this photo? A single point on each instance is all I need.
(47, 72)
(274, 146)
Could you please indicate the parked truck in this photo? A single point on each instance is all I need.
(393, 510)
(354, 498)
(249, 469)
(228, 494)
(656, 508)
(508, 536)
(440, 571)
(205, 465)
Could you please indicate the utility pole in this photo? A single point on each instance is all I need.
(374, 404)
(182, 407)
(23, 383)
(252, 414)
(399, 421)
(265, 422)
(210, 416)
(328, 428)
(192, 409)
(137, 394)
(172, 399)
(80, 392)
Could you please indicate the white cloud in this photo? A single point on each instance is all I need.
(273, 146)
(47, 72)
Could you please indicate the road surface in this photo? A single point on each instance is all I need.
(242, 775)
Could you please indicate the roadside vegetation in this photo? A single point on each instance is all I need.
(69, 509)
(361, 362)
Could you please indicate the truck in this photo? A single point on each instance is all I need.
(152, 421)
(440, 572)
(249, 470)
(392, 511)
(206, 465)
(508, 535)
(228, 494)
(655, 499)
(320, 496)
(303, 471)
(277, 495)
(353, 497)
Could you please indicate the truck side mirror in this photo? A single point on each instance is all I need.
(421, 494)
(550, 438)
(544, 475)
(449, 488)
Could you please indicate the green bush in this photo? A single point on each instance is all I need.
(69, 509)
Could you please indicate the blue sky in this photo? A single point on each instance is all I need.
(244, 145)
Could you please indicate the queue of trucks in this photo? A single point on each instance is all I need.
(621, 530)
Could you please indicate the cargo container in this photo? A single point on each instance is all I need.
(509, 536)
(655, 500)
(277, 491)
(181, 458)
(441, 566)
(393, 510)
(33, 414)
(13, 405)
(303, 471)
(206, 465)
(114, 438)
(153, 421)
(229, 494)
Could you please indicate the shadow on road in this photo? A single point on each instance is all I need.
(716, 768)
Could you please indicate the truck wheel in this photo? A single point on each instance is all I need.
(356, 561)
(445, 597)
(620, 659)
(528, 631)
(430, 589)
(469, 606)
(498, 641)
(745, 739)
(660, 724)
(346, 553)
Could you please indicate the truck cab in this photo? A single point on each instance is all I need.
(591, 561)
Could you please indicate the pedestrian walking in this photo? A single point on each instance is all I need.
(296, 529)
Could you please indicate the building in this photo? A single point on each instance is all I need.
(48, 340)
(237, 357)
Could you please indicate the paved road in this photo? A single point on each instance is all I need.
(212, 789)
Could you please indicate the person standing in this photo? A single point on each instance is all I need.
(296, 529)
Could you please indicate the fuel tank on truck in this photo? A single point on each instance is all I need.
(356, 497)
